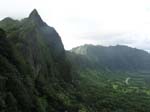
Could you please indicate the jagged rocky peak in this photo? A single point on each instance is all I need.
(34, 16)
(34, 13)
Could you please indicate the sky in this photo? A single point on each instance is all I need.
(100, 22)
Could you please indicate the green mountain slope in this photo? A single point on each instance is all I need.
(116, 58)
(39, 44)
(112, 79)
(34, 69)
(38, 75)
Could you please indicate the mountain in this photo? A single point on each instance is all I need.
(115, 58)
(38, 43)
(34, 67)
(112, 79)
(38, 75)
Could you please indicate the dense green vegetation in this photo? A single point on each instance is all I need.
(113, 79)
(38, 75)
(112, 94)
(34, 71)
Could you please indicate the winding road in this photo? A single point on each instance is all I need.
(127, 80)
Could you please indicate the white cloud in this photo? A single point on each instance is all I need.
(106, 22)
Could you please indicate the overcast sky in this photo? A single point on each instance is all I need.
(104, 22)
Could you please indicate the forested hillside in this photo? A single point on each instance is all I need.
(38, 75)
(115, 78)
(35, 75)
(116, 58)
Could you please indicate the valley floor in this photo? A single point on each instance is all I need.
(115, 92)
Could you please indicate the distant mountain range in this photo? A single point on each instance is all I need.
(115, 58)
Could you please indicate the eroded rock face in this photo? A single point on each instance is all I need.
(33, 65)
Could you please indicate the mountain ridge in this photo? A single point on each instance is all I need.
(118, 57)
(34, 53)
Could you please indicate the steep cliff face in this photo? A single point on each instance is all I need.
(39, 44)
(34, 67)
